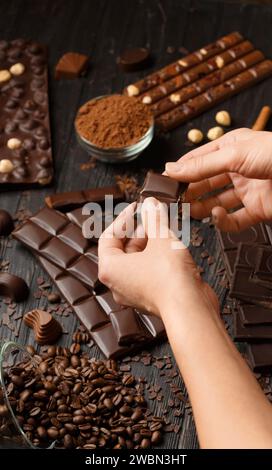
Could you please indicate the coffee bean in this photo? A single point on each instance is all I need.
(52, 433)
(51, 351)
(75, 348)
(108, 403)
(156, 437)
(137, 414)
(68, 441)
(80, 419)
(41, 431)
(145, 444)
(17, 380)
(30, 350)
(4, 410)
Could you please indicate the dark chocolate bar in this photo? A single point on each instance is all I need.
(254, 314)
(70, 261)
(263, 267)
(230, 241)
(183, 64)
(55, 238)
(67, 201)
(260, 356)
(244, 288)
(250, 333)
(25, 149)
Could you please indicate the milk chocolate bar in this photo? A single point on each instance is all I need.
(195, 73)
(67, 201)
(214, 95)
(25, 147)
(69, 259)
(215, 78)
(184, 64)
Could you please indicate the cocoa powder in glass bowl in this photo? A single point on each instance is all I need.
(114, 127)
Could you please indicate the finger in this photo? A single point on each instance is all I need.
(193, 169)
(227, 199)
(138, 241)
(113, 238)
(155, 219)
(208, 185)
(230, 137)
(234, 222)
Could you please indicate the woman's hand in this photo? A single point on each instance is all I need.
(152, 270)
(242, 159)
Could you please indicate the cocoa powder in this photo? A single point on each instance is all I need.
(113, 121)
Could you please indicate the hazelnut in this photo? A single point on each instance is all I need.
(195, 136)
(183, 63)
(147, 99)
(223, 118)
(175, 98)
(132, 90)
(4, 76)
(6, 166)
(14, 143)
(219, 62)
(215, 132)
(17, 69)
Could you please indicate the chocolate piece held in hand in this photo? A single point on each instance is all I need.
(71, 65)
(163, 188)
(133, 59)
(6, 223)
(47, 329)
(25, 148)
(13, 287)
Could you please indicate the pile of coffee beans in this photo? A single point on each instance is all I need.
(63, 396)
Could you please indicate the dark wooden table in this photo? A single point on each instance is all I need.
(101, 29)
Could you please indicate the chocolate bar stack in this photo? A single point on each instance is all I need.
(248, 261)
(186, 88)
(71, 260)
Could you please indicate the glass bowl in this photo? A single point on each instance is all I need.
(13, 358)
(120, 154)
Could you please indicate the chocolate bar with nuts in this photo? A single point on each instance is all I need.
(183, 64)
(214, 95)
(215, 78)
(195, 73)
(25, 145)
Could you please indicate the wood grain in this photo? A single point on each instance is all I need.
(102, 28)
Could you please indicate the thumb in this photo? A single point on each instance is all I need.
(155, 219)
(196, 168)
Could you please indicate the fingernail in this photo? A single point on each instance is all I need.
(173, 167)
(150, 202)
